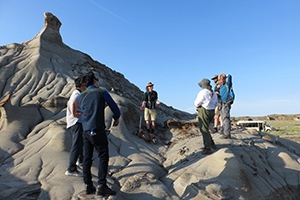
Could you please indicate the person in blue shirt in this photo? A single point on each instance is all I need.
(92, 103)
(226, 101)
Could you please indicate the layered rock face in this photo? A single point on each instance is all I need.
(36, 80)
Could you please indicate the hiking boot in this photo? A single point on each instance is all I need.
(75, 173)
(206, 151)
(214, 130)
(213, 145)
(221, 130)
(225, 137)
(90, 189)
(103, 190)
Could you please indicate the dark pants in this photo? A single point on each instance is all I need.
(225, 117)
(77, 146)
(204, 118)
(100, 143)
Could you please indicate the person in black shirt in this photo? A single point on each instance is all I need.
(150, 100)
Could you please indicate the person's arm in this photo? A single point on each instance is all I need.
(229, 81)
(199, 100)
(113, 106)
(144, 101)
(74, 108)
(143, 104)
(156, 100)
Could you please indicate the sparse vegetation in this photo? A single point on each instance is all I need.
(289, 129)
(286, 126)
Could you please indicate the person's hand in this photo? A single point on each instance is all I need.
(157, 102)
(142, 108)
(116, 122)
(77, 114)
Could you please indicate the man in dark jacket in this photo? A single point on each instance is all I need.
(92, 104)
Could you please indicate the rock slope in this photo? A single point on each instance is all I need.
(36, 80)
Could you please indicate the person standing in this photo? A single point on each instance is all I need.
(217, 119)
(150, 101)
(226, 101)
(92, 103)
(76, 152)
(206, 103)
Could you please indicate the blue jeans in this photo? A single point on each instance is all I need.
(77, 147)
(100, 143)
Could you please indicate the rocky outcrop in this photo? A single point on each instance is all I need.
(36, 80)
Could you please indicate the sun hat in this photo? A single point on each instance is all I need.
(214, 77)
(149, 84)
(205, 83)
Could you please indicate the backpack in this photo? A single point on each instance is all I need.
(231, 95)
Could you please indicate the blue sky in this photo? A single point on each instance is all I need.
(176, 43)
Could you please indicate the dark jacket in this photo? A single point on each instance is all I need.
(92, 103)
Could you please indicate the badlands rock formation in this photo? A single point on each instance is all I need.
(36, 80)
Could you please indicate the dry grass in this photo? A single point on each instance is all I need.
(289, 129)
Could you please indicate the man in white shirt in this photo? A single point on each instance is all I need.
(206, 103)
(74, 124)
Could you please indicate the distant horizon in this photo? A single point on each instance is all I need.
(251, 115)
(267, 115)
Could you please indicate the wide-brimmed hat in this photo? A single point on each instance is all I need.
(149, 84)
(214, 77)
(205, 83)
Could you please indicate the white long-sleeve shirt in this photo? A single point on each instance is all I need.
(71, 120)
(206, 99)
